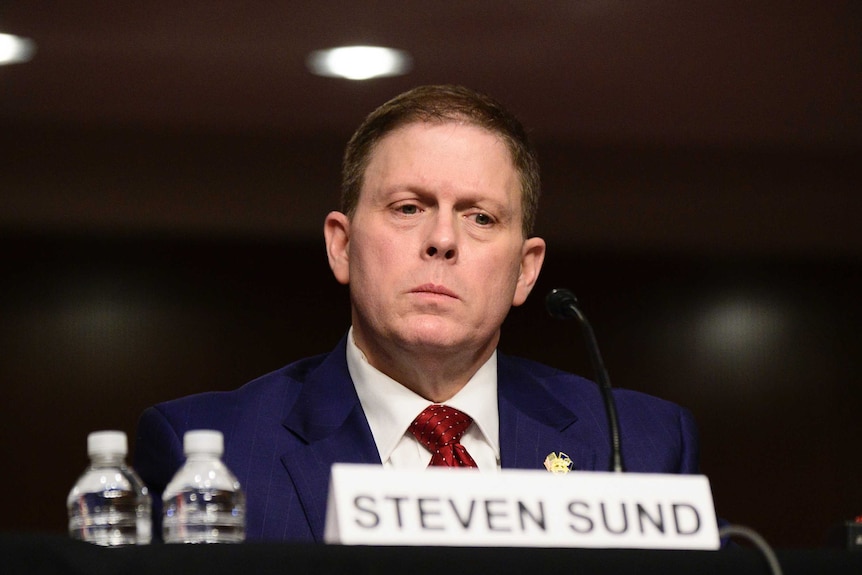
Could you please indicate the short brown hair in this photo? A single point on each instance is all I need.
(441, 104)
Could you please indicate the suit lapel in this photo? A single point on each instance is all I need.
(533, 423)
(330, 426)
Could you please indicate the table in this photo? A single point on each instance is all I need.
(43, 554)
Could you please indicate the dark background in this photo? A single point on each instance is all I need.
(165, 171)
(764, 352)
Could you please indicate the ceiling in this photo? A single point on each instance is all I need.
(679, 83)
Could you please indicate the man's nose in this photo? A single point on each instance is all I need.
(442, 240)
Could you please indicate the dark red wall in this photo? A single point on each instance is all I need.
(765, 352)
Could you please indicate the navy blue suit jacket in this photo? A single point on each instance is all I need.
(284, 431)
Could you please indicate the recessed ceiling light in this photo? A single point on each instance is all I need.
(15, 49)
(359, 62)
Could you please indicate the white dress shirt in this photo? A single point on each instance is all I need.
(390, 409)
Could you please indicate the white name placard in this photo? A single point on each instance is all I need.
(370, 505)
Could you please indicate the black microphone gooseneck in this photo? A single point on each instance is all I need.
(562, 304)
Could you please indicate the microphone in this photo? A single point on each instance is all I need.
(562, 304)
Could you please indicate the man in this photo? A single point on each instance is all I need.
(440, 187)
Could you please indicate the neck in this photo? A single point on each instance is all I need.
(435, 375)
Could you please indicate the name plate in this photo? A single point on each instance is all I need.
(370, 505)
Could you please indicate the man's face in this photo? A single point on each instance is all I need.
(434, 253)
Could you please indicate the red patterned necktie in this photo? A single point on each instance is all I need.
(438, 428)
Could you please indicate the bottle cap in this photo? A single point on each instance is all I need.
(107, 443)
(203, 441)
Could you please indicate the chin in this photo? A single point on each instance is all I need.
(436, 337)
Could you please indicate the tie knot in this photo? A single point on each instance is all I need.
(439, 425)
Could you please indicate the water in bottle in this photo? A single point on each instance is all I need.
(109, 505)
(204, 502)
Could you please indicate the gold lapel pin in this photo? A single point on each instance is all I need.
(558, 463)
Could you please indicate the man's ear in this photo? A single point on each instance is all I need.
(336, 232)
(532, 257)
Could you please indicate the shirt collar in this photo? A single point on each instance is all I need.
(390, 407)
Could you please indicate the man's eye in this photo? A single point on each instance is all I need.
(483, 219)
(408, 209)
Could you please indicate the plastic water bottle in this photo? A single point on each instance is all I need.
(204, 502)
(109, 505)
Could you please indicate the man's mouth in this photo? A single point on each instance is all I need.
(434, 289)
